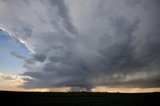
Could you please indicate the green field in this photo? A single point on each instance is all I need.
(79, 99)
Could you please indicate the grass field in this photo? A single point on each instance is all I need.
(79, 99)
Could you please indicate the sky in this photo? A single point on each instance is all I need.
(7, 45)
(74, 45)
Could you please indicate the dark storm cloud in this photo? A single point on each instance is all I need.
(83, 44)
(63, 12)
(39, 57)
(120, 54)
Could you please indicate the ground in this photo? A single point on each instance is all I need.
(79, 99)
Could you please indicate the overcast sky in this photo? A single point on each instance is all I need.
(81, 44)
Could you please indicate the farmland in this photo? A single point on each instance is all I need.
(78, 98)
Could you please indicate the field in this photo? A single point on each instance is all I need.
(79, 99)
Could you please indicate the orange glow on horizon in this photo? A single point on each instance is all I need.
(124, 90)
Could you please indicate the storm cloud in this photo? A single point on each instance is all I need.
(86, 43)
